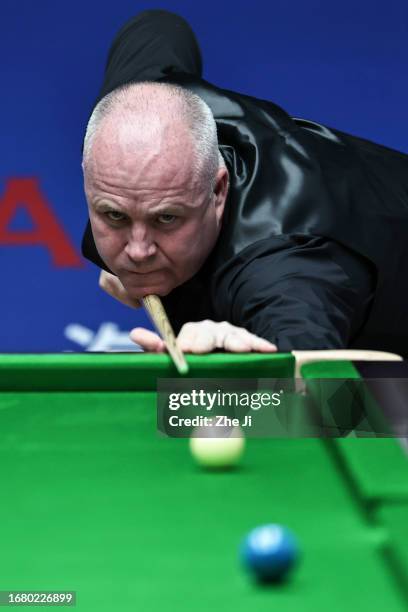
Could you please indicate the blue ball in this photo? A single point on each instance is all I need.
(270, 552)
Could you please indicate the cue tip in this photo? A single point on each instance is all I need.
(183, 369)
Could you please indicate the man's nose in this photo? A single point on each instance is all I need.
(140, 245)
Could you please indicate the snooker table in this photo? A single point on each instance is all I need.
(94, 500)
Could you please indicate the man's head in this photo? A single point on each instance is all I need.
(155, 183)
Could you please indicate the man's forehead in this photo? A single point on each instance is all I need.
(141, 187)
(129, 166)
(119, 194)
(142, 168)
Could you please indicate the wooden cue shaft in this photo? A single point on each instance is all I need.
(303, 357)
(155, 308)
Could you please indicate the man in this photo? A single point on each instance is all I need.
(294, 237)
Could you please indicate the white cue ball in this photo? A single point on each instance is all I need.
(217, 447)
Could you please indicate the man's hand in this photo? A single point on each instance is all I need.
(112, 285)
(204, 337)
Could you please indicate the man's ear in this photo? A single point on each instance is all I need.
(221, 191)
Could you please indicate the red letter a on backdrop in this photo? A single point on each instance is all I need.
(25, 193)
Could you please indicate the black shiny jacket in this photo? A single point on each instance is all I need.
(313, 251)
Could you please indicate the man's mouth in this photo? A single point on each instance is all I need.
(140, 272)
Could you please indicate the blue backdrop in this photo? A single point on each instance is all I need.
(343, 64)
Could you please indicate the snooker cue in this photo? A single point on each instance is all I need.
(302, 357)
(158, 315)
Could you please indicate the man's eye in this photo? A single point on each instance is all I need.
(166, 219)
(114, 215)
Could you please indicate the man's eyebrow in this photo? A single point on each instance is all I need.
(167, 206)
(102, 205)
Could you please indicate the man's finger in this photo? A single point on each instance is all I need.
(237, 343)
(257, 343)
(204, 341)
(263, 346)
(113, 286)
(186, 337)
(148, 340)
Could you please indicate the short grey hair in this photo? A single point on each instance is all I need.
(189, 106)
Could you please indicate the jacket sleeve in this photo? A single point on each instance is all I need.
(300, 292)
(152, 45)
